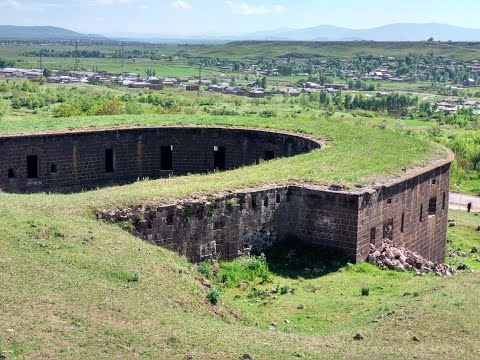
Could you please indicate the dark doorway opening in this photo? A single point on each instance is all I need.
(373, 236)
(11, 174)
(269, 155)
(166, 158)
(219, 158)
(109, 161)
(32, 167)
(388, 229)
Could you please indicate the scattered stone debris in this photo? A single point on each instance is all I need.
(389, 256)
(205, 283)
(358, 336)
(457, 253)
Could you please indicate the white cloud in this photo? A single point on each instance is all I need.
(181, 4)
(17, 5)
(112, 2)
(244, 8)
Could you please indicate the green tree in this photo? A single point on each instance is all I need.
(6, 63)
(151, 72)
(93, 80)
(264, 82)
(475, 157)
(47, 72)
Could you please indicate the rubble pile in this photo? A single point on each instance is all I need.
(389, 256)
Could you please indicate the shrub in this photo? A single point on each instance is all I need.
(4, 108)
(365, 291)
(111, 107)
(66, 110)
(285, 289)
(205, 268)
(268, 113)
(245, 269)
(214, 294)
(224, 112)
(135, 277)
(133, 108)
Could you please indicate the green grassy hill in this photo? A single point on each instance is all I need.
(75, 287)
(299, 49)
(10, 32)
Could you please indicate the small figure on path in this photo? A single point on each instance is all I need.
(469, 206)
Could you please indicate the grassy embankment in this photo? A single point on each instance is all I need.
(73, 287)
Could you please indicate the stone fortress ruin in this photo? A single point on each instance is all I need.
(412, 210)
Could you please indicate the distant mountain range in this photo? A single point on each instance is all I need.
(10, 32)
(393, 32)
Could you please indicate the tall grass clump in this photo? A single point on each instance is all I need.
(245, 269)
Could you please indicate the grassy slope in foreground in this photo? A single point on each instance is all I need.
(66, 288)
(66, 291)
(356, 155)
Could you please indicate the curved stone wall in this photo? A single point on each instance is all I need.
(78, 160)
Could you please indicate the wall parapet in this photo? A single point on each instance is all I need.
(73, 161)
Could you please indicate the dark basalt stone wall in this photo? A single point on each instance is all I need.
(80, 160)
(412, 212)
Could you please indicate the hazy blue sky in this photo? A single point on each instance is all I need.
(230, 17)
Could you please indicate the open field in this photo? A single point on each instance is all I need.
(271, 49)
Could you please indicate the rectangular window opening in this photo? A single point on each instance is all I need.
(219, 158)
(443, 201)
(373, 235)
(265, 201)
(32, 167)
(11, 174)
(432, 206)
(166, 158)
(402, 223)
(254, 201)
(54, 168)
(109, 161)
(421, 212)
(434, 181)
(389, 201)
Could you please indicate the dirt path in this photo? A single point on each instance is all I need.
(459, 202)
